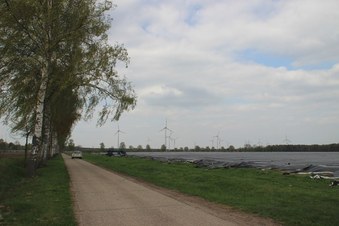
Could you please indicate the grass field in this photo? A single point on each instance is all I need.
(292, 200)
(42, 200)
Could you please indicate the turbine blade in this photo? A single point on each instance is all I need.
(163, 129)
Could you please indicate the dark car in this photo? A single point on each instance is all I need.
(112, 152)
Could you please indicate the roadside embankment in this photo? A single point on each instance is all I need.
(42, 200)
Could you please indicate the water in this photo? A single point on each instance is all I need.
(320, 161)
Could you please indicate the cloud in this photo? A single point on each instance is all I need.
(303, 33)
(249, 69)
(179, 96)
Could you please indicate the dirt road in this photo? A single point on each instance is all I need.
(102, 197)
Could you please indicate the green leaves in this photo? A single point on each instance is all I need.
(69, 39)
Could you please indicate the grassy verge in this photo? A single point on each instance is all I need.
(292, 200)
(43, 200)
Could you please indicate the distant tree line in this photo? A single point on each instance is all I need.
(4, 146)
(249, 148)
(293, 148)
(231, 148)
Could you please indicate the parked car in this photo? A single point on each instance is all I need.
(112, 152)
(76, 154)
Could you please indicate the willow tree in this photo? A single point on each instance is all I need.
(55, 51)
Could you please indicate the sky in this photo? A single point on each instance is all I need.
(259, 72)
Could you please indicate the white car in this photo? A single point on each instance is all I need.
(77, 154)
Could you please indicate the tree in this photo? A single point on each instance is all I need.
(55, 53)
(102, 146)
(148, 147)
(63, 121)
(247, 146)
(71, 145)
(163, 147)
(122, 146)
(231, 148)
(3, 145)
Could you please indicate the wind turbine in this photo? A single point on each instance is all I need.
(166, 129)
(260, 143)
(148, 141)
(218, 140)
(171, 139)
(212, 142)
(118, 132)
(174, 140)
(286, 141)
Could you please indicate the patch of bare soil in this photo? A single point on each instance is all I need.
(12, 154)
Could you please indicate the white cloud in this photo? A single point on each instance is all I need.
(186, 67)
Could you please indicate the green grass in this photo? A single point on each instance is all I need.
(292, 200)
(42, 200)
(11, 173)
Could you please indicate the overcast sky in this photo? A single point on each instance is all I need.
(256, 71)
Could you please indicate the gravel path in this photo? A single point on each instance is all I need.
(105, 198)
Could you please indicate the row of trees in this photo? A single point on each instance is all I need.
(5, 146)
(123, 146)
(247, 148)
(293, 148)
(56, 66)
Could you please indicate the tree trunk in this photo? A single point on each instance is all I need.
(26, 149)
(46, 134)
(37, 141)
(55, 147)
(50, 143)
